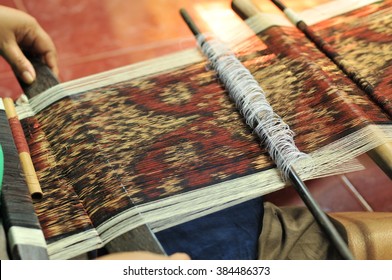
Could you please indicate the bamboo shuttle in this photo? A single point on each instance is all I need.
(23, 150)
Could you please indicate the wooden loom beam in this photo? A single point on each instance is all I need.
(382, 154)
(302, 190)
(18, 217)
(138, 239)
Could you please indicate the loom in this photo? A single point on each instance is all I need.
(184, 140)
(275, 134)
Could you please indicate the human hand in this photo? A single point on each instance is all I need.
(143, 255)
(18, 31)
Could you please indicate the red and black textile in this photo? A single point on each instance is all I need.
(103, 151)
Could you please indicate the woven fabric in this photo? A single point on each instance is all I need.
(363, 39)
(137, 143)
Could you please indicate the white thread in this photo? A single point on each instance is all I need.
(292, 16)
(250, 99)
(29, 236)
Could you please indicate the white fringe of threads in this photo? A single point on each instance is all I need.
(250, 99)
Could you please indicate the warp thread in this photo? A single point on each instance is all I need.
(251, 101)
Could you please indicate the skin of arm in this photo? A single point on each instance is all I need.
(142, 255)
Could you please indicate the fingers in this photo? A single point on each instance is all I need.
(179, 256)
(20, 31)
(18, 61)
(50, 59)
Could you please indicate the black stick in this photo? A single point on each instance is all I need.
(336, 58)
(299, 185)
(319, 215)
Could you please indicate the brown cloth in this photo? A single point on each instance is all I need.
(291, 233)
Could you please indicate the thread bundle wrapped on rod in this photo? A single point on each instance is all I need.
(23, 149)
(26, 239)
(250, 99)
(382, 154)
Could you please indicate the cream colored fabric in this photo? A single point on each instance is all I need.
(369, 234)
(292, 233)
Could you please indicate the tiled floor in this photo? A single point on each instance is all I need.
(93, 36)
